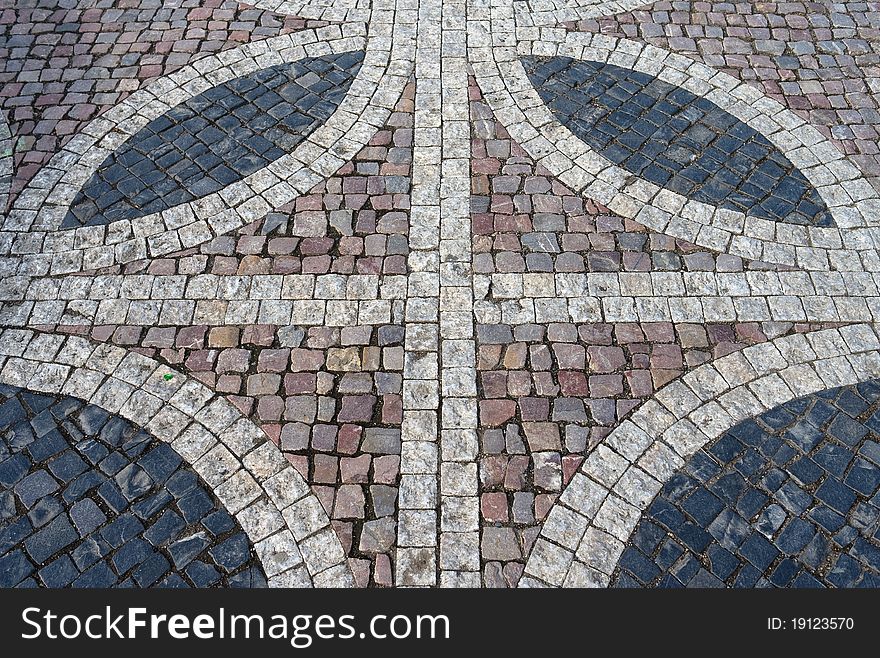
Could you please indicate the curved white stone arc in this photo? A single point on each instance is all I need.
(547, 13)
(386, 69)
(335, 11)
(282, 517)
(50, 193)
(519, 108)
(6, 162)
(585, 532)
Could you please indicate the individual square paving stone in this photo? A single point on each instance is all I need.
(45, 510)
(86, 516)
(35, 486)
(56, 536)
(14, 567)
(131, 554)
(97, 576)
(59, 573)
(151, 571)
(232, 553)
(133, 481)
(165, 528)
(186, 549)
(500, 544)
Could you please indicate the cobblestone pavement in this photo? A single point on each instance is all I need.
(459, 293)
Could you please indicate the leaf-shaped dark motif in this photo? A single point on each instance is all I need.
(675, 139)
(215, 138)
(88, 499)
(786, 499)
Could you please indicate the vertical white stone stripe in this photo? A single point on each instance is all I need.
(440, 370)
(459, 502)
(6, 164)
(416, 563)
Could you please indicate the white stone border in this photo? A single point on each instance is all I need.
(438, 486)
(49, 195)
(180, 300)
(276, 508)
(586, 530)
(41, 207)
(7, 163)
(548, 13)
(516, 299)
(334, 11)
(854, 204)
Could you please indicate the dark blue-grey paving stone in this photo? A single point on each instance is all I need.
(219, 522)
(133, 553)
(87, 516)
(151, 505)
(67, 466)
(675, 139)
(165, 528)
(151, 570)
(202, 574)
(13, 469)
(44, 510)
(98, 502)
(48, 541)
(35, 486)
(59, 573)
(133, 481)
(99, 575)
(195, 505)
(788, 499)
(14, 567)
(173, 581)
(216, 138)
(7, 505)
(89, 551)
(184, 550)
(231, 553)
(250, 577)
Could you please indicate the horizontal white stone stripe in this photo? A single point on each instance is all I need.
(176, 312)
(540, 13)
(586, 530)
(778, 308)
(325, 10)
(274, 505)
(205, 286)
(678, 283)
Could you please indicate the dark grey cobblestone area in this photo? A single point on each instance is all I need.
(89, 500)
(216, 138)
(790, 499)
(676, 140)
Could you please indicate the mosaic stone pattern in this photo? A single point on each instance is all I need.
(550, 393)
(329, 397)
(789, 499)
(216, 138)
(675, 139)
(89, 500)
(549, 396)
(442, 341)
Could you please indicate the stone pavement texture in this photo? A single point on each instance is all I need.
(456, 293)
